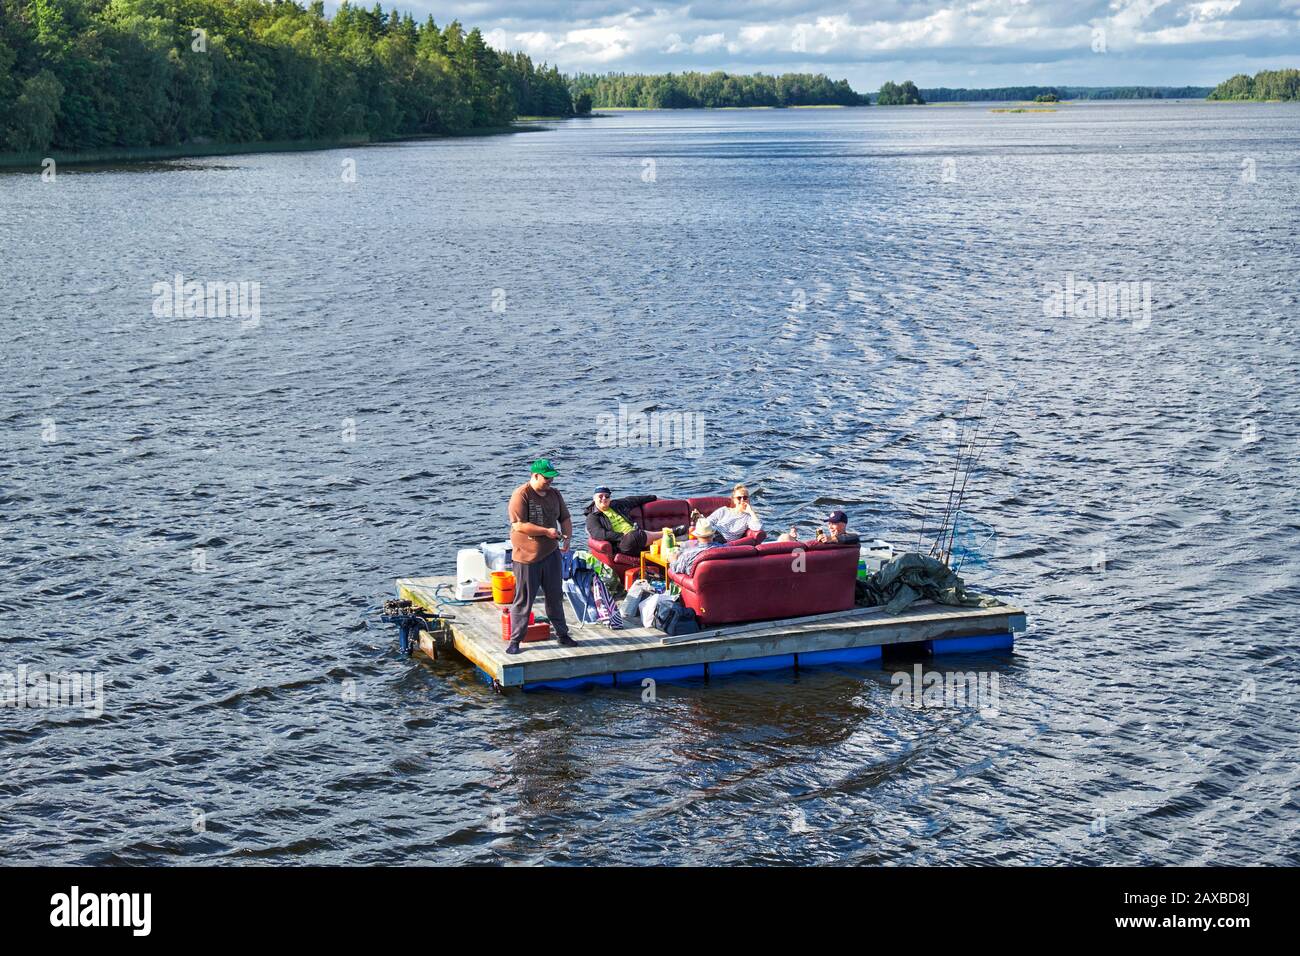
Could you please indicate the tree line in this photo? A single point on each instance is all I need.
(899, 94)
(713, 90)
(1264, 85)
(86, 74)
(945, 94)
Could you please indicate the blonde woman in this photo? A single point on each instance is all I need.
(737, 520)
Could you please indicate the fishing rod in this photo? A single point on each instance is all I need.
(949, 514)
(953, 487)
(972, 460)
(968, 452)
(978, 458)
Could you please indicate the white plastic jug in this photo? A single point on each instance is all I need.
(470, 565)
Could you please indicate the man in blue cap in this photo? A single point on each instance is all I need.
(837, 529)
(608, 519)
(540, 526)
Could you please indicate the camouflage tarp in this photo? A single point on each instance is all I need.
(911, 577)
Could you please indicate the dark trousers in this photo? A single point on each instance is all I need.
(544, 576)
(632, 542)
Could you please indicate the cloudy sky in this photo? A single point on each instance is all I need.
(934, 42)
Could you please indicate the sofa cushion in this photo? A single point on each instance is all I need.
(665, 513)
(624, 561)
(779, 547)
(728, 553)
(708, 504)
(830, 546)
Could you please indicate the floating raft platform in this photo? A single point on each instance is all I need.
(625, 657)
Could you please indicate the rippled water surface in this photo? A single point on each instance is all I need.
(827, 288)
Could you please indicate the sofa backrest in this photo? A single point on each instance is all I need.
(708, 504)
(785, 547)
(739, 563)
(731, 552)
(665, 513)
(674, 512)
(778, 547)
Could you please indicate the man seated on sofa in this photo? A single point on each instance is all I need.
(705, 537)
(607, 520)
(837, 529)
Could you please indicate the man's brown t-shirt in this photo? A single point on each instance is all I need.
(545, 510)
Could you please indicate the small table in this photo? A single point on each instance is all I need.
(658, 559)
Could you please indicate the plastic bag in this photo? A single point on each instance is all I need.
(647, 609)
(637, 593)
(657, 603)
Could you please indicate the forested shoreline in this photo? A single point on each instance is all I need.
(88, 75)
(714, 90)
(944, 94)
(1281, 85)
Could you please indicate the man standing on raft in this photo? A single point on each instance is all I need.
(540, 526)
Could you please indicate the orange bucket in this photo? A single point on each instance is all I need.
(503, 587)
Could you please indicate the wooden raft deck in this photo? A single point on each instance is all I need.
(625, 657)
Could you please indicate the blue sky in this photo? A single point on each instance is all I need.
(934, 42)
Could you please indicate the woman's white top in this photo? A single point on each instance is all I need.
(734, 523)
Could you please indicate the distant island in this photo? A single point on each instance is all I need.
(899, 94)
(1027, 94)
(716, 90)
(1281, 85)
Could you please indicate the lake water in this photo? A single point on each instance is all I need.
(206, 510)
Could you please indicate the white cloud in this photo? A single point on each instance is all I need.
(792, 34)
(707, 44)
(1212, 9)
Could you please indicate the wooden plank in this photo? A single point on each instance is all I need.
(742, 629)
(600, 651)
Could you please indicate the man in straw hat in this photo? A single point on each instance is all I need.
(705, 537)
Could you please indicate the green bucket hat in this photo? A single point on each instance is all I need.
(543, 467)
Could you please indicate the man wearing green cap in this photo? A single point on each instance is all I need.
(540, 526)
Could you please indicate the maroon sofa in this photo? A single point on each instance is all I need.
(760, 582)
(749, 579)
(658, 514)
